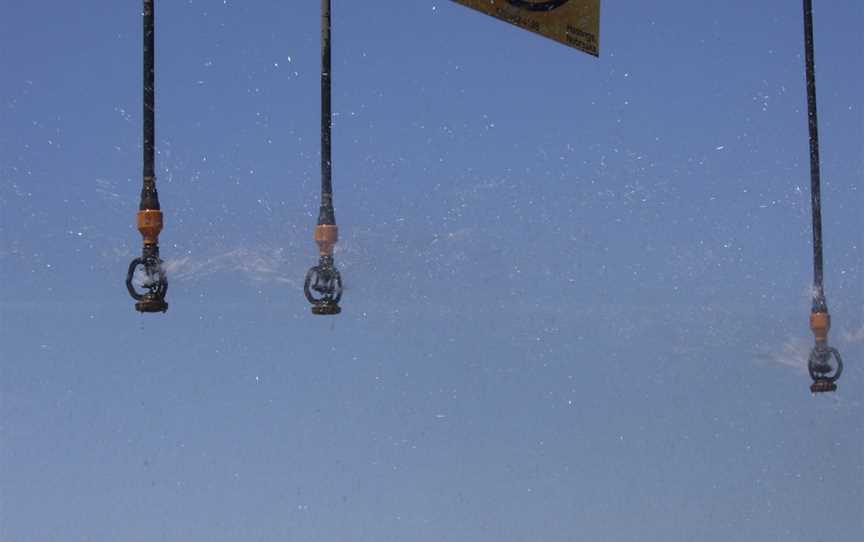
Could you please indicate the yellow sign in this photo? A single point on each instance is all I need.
(572, 22)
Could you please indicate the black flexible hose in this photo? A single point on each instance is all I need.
(819, 304)
(149, 196)
(326, 215)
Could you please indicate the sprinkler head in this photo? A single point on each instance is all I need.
(825, 367)
(152, 281)
(323, 287)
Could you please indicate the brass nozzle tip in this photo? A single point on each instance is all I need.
(326, 309)
(823, 386)
(151, 305)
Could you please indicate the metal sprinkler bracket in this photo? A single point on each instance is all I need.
(153, 280)
(323, 284)
(825, 364)
(147, 270)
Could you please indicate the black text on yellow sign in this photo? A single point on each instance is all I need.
(572, 22)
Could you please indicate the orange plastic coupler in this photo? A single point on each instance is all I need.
(326, 235)
(820, 323)
(150, 225)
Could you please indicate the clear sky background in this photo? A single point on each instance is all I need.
(577, 289)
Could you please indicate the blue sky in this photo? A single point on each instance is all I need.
(576, 289)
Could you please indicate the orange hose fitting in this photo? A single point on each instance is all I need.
(150, 225)
(326, 235)
(820, 323)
